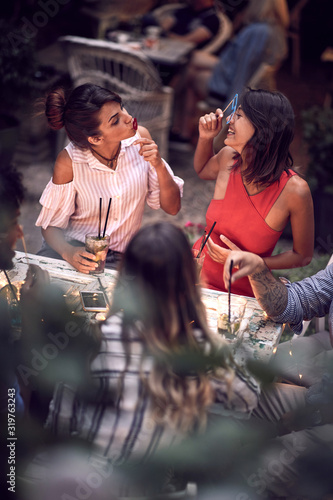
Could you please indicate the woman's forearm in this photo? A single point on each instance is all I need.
(55, 238)
(169, 191)
(287, 260)
(78, 257)
(203, 153)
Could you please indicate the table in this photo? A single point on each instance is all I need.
(64, 276)
(261, 334)
(260, 338)
(168, 51)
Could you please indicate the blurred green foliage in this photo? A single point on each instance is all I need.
(317, 126)
(225, 461)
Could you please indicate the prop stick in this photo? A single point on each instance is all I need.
(208, 235)
(107, 216)
(225, 109)
(234, 107)
(11, 286)
(99, 219)
(229, 289)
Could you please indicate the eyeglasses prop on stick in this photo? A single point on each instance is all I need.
(233, 104)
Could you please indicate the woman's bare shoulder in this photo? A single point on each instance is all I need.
(297, 194)
(63, 168)
(297, 186)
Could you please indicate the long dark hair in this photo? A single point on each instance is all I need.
(79, 113)
(158, 293)
(267, 153)
(158, 273)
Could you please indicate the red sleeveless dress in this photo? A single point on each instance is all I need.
(241, 218)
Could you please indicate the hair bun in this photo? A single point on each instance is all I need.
(55, 108)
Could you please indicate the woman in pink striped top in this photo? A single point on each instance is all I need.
(108, 157)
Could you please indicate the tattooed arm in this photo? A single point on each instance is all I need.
(271, 294)
(291, 303)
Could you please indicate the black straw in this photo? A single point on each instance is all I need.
(11, 286)
(100, 217)
(204, 243)
(229, 289)
(107, 216)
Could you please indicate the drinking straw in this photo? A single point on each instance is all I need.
(104, 291)
(229, 290)
(107, 216)
(25, 248)
(11, 286)
(204, 243)
(99, 220)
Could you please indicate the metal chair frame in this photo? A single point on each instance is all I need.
(221, 37)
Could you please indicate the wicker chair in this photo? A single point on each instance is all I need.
(223, 35)
(127, 72)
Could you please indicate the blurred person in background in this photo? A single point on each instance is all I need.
(196, 21)
(276, 14)
(259, 37)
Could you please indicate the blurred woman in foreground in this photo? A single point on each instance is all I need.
(158, 368)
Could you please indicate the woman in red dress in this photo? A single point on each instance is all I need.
(256, 192)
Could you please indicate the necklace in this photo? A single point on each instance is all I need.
(109, 161)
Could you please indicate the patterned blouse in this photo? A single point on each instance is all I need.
(120, 422)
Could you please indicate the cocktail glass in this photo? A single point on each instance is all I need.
(99, 247)
(229, 329)
(199, 261)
